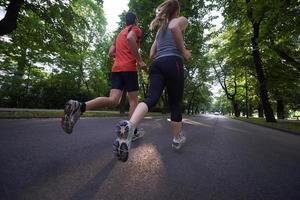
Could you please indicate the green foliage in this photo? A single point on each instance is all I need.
(222, 105)
(279, 48)
(57, 52)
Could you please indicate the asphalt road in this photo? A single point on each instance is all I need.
(222, 159)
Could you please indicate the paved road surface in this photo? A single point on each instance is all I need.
(222, 159)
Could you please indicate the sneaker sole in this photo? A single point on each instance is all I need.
(65, 124)
(179, 146)
(124, 139)
(123, 151)
(120, 150)
(116, 150)
(176, 147)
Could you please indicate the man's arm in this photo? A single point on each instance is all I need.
(112, 51)
(131, 38)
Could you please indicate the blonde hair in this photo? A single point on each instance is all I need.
(164, 13)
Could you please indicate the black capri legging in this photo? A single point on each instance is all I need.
(167, 71)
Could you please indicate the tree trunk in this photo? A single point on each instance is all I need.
(280, 109)
(261, 76)
(9, 23)
(260, 110)
(193, 109)
(197, 111)
(189, 107)
(247, 96)
(190, 102)
(237, 112)
(250, 110)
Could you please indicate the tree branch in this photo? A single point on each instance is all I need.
(9, 23)
(282, 54)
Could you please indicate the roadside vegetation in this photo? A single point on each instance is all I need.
(53, 51)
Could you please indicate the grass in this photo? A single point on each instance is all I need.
(53, 114)
(282, 125)
(58, 114)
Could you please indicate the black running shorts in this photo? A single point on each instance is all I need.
(127, 81)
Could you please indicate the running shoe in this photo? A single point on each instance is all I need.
(177, 143)
(71, 115)
(121, 145)
(138, 133)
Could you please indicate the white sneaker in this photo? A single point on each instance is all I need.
(71, 115)
(177, 143)
(138, 134)
(121, 145)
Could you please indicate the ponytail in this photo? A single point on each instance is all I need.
(164, 13)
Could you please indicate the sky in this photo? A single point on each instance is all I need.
(112, 10)
(2, 12)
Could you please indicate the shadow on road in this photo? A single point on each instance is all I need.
(91, 187)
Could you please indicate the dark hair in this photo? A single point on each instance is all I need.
(130, 18)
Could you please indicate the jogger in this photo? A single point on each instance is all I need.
(124, 76)
(166, 70)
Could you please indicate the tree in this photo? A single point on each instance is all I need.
(9, 22)
(65, 42)
(256, 19)
(271, 26)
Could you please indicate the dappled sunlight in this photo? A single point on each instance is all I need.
(144, 165)
(146, 156)
(103, 176)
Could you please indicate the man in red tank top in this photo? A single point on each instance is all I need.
(125, 50)
(124, 47)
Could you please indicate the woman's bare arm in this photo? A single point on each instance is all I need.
(153, 50)
(177, 26)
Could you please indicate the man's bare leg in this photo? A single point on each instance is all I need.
(73, 109)
(133, 101)
(101, 102)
